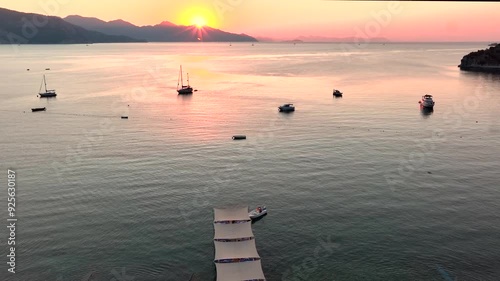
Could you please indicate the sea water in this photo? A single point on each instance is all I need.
(363, 187)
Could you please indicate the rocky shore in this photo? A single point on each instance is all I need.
(483, 60)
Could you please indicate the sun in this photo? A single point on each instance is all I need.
(199, 21)
(199, 16)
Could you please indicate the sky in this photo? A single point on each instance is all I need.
(289, 19)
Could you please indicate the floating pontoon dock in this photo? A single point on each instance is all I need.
(236, 256)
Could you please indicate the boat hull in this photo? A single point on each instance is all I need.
(426, 111)
(38, 109)
(427, 104)
(286, 109)
(185, 91)
(47, 95)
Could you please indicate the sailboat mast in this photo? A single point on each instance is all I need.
(45, 82)
(182, 81)
(188, 78)
(178, 80)
(41, 84)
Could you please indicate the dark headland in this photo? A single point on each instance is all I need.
(483, 60)
(28, 28)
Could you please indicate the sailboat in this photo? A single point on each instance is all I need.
(48, 93)
(183, 89)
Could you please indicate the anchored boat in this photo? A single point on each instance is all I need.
(38, 109)
(47, 93)
(337, 93)
(184, 89)
(427, 101)
(257, 212)
(288, 107)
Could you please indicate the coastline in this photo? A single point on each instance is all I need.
(487, 60)
(481, 68)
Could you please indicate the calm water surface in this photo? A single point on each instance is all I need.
(364, 187)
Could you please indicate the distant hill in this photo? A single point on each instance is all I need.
(27, 28)
(351, 39)
(483, 60)
(324, 39)
(163, 32)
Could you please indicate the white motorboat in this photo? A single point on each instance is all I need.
(288, 107)
(427, 101)
(257, 212)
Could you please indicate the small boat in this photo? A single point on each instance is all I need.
(288, 107)
(35, 109)
(239, 137)
(427, 101)
(124, 117)
(257, 212)
(337, 93)
(184, 89)
(48, 93)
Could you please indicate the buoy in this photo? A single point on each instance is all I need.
(239, 137)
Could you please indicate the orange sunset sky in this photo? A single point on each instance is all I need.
(289, 19)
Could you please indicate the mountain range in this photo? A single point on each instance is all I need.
(28, 28)
(163, 32)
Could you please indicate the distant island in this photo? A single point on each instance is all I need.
(483, 60)
(28, 28)
(325, 39)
